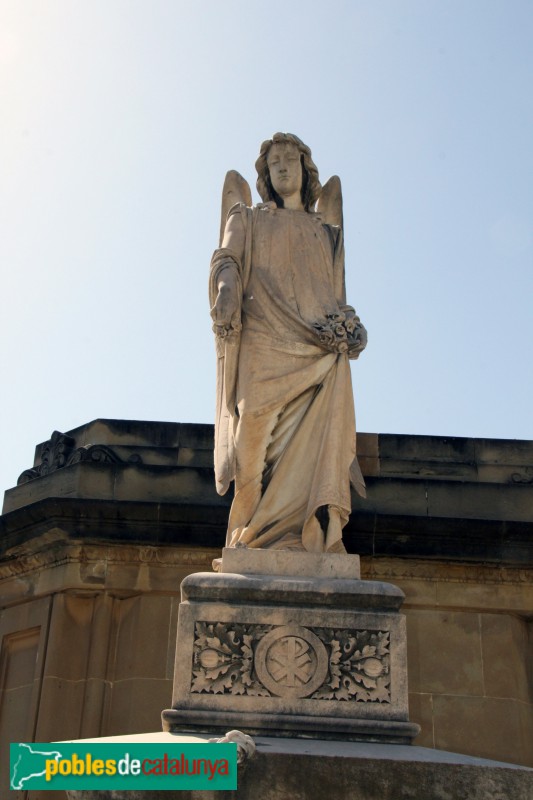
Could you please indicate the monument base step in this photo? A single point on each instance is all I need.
(353, 730)
(311, 769)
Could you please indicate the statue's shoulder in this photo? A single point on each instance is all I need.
(251, 211)
(239, 208)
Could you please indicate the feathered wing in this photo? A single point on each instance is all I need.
(329, 204)
(235, 190)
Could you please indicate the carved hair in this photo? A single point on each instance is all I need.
(310, 184)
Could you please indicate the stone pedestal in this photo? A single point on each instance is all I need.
(291, 644)
(307, 770)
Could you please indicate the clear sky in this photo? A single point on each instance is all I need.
(118, 121)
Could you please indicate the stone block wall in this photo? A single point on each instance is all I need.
(96, 539)
(470, 655)
(87, 641)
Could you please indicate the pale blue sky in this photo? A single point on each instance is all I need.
(118, 121)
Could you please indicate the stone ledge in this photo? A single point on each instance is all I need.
(255, 561)
(303, 770)
(331, 592)
(350, 730)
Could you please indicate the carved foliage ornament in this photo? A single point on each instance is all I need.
(223, 659)
(60, 451)
(291, 661)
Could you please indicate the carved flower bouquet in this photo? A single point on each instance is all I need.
(342, 332)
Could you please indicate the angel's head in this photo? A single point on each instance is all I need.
(309, 184)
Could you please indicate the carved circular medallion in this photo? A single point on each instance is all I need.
(291, 661)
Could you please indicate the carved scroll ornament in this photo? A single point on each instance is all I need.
(60, 452)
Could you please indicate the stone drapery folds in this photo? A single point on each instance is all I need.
(285, 421)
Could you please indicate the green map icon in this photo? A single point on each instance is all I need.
(27, 763)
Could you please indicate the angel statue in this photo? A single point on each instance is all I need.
(285, 421)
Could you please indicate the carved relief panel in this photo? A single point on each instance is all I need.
(291, 661)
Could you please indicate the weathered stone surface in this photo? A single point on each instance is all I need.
(496, 724)
(284, 421)
(330, 592)
(368, 453)
(23, 636)
(455, 458)
(250, 561)
(506, 652)
(432, 633)
(306, 770)
(301, 655)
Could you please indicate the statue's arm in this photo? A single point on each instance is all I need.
(226, 276)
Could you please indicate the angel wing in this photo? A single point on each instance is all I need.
(235, 190)
(329, 204)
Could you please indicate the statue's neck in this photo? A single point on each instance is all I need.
(294, 202)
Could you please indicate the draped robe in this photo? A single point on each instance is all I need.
(285, 424)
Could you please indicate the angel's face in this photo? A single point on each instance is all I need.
(285, 167)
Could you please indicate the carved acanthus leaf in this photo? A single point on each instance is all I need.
(54, 455)
(97, 453)
(59, 452)
(290, 661)
(359, 666)
(223, 659)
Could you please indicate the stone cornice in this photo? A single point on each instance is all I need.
(53, 550)
(57, 554)
(384, 569)
(196, 525)
(149, 483)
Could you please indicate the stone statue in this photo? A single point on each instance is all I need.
(285, 422)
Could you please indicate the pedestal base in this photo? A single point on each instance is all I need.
(291, 644)
(306, 770)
